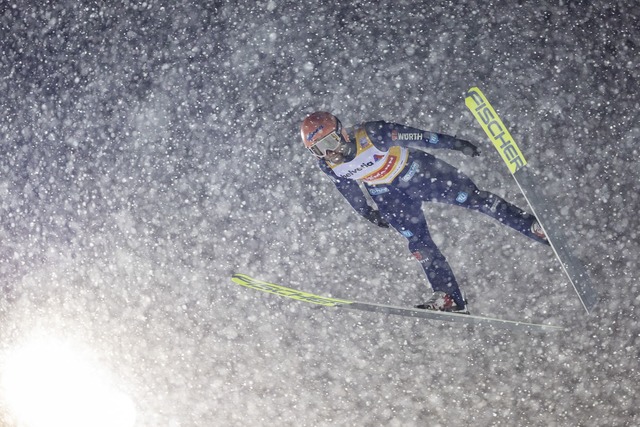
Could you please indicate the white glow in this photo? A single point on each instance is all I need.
(46, 382)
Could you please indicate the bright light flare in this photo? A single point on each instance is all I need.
(47, 382)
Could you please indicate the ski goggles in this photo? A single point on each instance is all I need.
(330, 142)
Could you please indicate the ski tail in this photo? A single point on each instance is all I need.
(495, 129)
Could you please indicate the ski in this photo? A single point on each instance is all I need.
(283, 291)
(513, 157)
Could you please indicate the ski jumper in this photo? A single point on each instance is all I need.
(399, 178)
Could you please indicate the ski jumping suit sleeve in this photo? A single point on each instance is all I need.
(349, 189)
(400, 178)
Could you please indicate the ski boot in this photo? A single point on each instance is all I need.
(441, 301)
(536, 229)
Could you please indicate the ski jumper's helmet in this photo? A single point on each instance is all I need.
(321, 132)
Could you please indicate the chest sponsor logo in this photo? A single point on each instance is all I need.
(384, 170)
(351, 172)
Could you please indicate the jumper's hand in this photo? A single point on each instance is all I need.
(375, 217)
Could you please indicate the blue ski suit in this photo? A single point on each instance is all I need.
(400, 178)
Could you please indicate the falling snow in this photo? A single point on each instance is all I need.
(150, 149)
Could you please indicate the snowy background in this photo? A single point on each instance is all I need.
(150, 149)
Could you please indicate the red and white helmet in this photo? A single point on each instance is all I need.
(321, 132)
